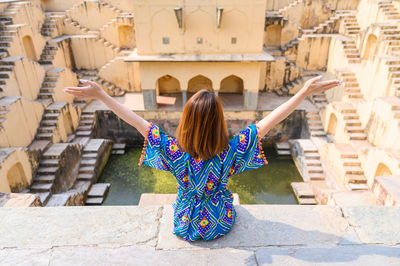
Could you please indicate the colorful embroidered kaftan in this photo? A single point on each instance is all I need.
(203, 207)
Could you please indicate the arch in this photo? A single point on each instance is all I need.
(382, 170)
(68, 126)
(231, 84)
(199, 82)
(332, 124)
(125, 36)
(370, 46)
(16, 178)
(29, 47)
(273, 35)
(168, 84)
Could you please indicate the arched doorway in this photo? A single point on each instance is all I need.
(126, 36)
(231, 84)
(29, 47)
(370, 46)
(382, 170)
(273, 36)
(167, 85)
(231, 91)
(332, 124)
(199, 82)
(16, 178)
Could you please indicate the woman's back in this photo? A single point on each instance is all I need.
(203, 207)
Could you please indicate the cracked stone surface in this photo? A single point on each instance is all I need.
(262, 234)
(375, 224)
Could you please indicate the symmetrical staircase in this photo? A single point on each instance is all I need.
(389, 10)
(86, 124)
(351, 164)
(352, 123)
(49, 83)
(44, 179)
(350, 82)
(49, 51)
(314, 123)
(49, 121)
(50, 24)
(283, 150)
(313, 163)
(6, 38)
(6, 67)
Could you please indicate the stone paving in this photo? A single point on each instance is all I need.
(262, 234)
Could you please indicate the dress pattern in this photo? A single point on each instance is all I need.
(204, 204)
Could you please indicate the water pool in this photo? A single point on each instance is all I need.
(269, 184)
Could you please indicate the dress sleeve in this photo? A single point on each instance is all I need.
(248, 151)
(160, 151)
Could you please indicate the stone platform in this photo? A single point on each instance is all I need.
(262, 234)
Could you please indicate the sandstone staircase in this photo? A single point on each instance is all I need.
(6, 67)
(3, 112)
(49, 83)
(283, 150)
(50, 24)
(312, 161)
(44, 179)
(314, 123)
(78, 27)
(303, 193)
(389, 10)
(86, 124)
(49, 51)
(352, 122)
(351, 164)
(97, 193)
(325, 27)
(49, 121)
(118, 148)
(350, 82)
(6, 38)
(351, 29)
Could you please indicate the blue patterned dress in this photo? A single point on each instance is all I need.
(203, 207)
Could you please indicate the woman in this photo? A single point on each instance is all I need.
(202, 157)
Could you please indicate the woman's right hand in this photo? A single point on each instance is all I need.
(92, 90)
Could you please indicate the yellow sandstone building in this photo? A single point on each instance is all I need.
(153, 55)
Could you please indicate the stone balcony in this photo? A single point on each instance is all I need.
(262, 234)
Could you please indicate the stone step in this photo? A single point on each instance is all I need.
(48, 129)
(356, 179)
(120, 146)
(84, 133)
(98, 190)
(88, 162)
(84, 128)
(357, 136)
(94, 201)
(89, 155)
(284, 153)
(319, 133)
(353, 170)
(44, 178)
(87, 169)
(316, 176)
(355, 187)
(313, 163)
(47, 170)
(351, 162)
(48, 122)
(352, 122)
(44, 136)
(85, 176)
(118, 152)
(315, 169)
(41, 187)
(49, 162)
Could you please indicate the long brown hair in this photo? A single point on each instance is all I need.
(202, 129)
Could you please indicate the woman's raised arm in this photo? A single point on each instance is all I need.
(311, 86)
(93, 90)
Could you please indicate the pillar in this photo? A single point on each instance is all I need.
(250, 100)
(184, 98)
(149, 99)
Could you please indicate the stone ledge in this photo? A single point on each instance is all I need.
(277, 234)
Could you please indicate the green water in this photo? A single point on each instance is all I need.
(269, 184)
